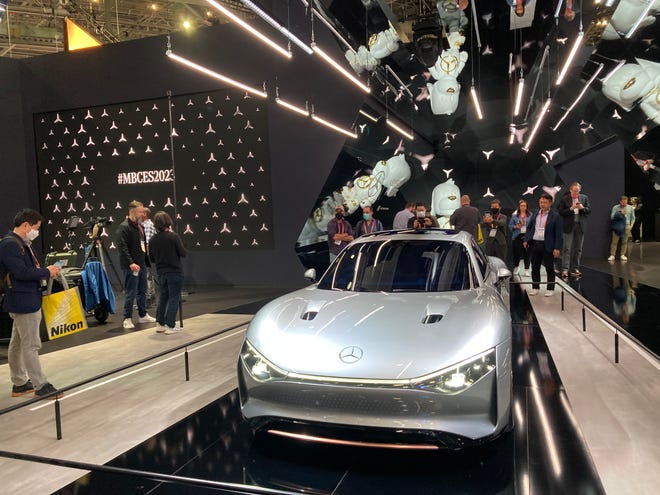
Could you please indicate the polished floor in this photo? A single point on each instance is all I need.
(582, 424)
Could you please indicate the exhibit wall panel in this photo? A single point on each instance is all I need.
(14, 190)
(301, 152)
(600, 172)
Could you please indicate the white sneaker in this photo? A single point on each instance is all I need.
(624, 257)
(146, 319)
(170, 331)
(610, 258)
(526, 273)
(128, 324)
(515, 271)
(549, 293)
(532, 292)
(160, 328)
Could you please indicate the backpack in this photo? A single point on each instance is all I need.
(5, 280)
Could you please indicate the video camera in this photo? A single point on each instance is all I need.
(100, 221)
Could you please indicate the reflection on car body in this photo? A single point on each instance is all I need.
(404, 342)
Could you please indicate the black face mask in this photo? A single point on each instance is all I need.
(494, 211)
(339, 216)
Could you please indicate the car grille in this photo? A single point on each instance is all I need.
(354, 402)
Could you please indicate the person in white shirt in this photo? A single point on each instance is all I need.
(402, 217)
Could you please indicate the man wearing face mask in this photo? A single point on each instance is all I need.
(423, 219)
(368, 224)
(340, 232)
(494, 230)
(23, 278)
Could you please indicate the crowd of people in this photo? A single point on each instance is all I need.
(536, 238)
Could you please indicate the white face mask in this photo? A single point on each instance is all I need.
(32, 235)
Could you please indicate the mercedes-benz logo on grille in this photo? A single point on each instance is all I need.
(350, 354)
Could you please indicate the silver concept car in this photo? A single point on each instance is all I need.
(405, 342)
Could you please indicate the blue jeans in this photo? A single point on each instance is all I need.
(170, 285)
(136, 289)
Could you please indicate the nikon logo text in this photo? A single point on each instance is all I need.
(65, 328)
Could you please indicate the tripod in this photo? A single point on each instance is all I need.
(98, 251)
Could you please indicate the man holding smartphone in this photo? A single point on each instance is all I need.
(24, 279)
(574, 209)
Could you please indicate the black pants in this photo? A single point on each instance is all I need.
(540, 256)
(519, 252)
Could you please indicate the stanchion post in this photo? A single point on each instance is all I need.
(616, 347)
(187, 364)
(58, 419)
(584, 319)
(562, 299)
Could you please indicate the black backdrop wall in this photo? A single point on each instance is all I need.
(301, 153)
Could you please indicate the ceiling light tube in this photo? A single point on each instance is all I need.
(519, 94)
(570, 58)
(513, 134)
(537, 125)
(475, 22)
(613, 71)
(254, 8)
(250, 29)
(340, 69)
(293, 108)
(584, 90)
(369, 116)
(400, 130)
(321, 18)
(211, 73)
(475, 100)
(649, 4)
(333, 126)
(559, 4)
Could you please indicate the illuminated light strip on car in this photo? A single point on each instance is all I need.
(353, 443)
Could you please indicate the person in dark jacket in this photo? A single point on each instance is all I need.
(574, 208)
(543, 240)
(166, 251)
(23, 279)
(133, 260)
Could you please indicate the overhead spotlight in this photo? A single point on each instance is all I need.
(399, 130)
(186, 24)
(519, 94)
(332, 126)
(570, 58)
(579, 97)
(254, 8)
(369, 116)
(339, 68)
(209, 72)
(544, 110)
(475, 100)
(300, 111)
(228, 13)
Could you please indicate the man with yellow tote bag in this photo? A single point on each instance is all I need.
(63, 311)
(23, 279)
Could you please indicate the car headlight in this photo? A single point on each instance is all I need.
(458, 377)
(258, 366)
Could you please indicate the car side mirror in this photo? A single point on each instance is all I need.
(503, 273)
(310, 274)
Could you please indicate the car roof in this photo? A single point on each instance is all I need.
(432, 233)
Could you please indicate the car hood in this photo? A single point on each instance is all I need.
(377, 335)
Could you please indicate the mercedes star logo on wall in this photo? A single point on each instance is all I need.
(350, 354)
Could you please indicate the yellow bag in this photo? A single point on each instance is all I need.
(480, 235)
(63, 313)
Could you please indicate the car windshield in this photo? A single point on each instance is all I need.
(401, 265)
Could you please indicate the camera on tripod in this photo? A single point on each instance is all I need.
(100, 221)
